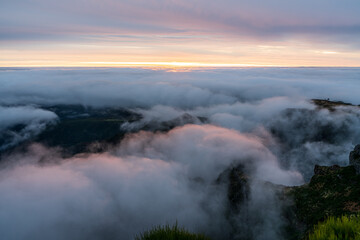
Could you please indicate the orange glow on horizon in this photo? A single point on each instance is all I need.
(156, 65)
(192, 54)
(171, 64)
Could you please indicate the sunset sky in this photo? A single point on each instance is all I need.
(179, 33)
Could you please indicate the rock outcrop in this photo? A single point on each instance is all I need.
(332, 191)
(238, 186)
(354, 158)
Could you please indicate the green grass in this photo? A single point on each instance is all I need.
(169, 233)
(341, 228)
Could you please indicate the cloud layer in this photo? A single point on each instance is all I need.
(197, 88)
(199, 124)
(150, 179)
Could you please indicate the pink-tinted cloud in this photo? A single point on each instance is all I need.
(244, 19)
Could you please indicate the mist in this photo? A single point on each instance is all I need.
(194, 127)
(29, 119)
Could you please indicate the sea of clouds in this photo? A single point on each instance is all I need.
(259, 118)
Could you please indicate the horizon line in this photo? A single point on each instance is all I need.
(172, 64)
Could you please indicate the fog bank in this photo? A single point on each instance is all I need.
(193, 126)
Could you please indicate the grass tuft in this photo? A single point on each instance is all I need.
(341, 228)
(168, 232)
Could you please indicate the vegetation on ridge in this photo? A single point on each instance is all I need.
(332, 191)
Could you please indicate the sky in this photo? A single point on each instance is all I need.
(179, 33)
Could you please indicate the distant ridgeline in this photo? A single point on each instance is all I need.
(87, 129)
(331, 105)
(77, 129)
